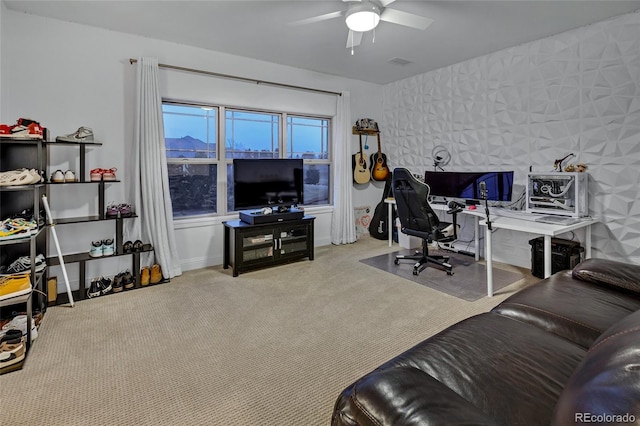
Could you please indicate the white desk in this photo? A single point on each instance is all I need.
(514, 224)
(477, 214)
(545, 229)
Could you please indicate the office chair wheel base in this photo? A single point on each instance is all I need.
(415, 272)
(396, 262)
(449, 272)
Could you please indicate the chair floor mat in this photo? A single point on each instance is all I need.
(469, 281)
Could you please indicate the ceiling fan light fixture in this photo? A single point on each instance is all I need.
(362, 18)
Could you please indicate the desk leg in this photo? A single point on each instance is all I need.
(476, 233)
(587, 249)
(547, 256)
(488, 257)
(389, 224)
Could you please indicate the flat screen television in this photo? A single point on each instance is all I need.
(466, 185)
(259, 183)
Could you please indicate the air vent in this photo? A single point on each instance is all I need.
(399, 61)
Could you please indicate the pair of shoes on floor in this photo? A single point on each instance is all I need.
(14, 286)
(20, 177)
(24, 129)
(123, 280)
(59, 177)
(98, 287)
(14, 228)
(97, 175)
(151, 275)
(102, 248)
(119, 210)
(83, 134)
(23, 264)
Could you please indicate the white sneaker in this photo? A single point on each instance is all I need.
(69, 176)
(57, 176)
(83, 134)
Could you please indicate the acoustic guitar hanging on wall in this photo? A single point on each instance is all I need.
(379, 168)
(361, 173)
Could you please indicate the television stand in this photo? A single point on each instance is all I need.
(252, 246)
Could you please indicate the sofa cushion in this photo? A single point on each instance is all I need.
(508, 370)
(623, 276)
(576, 310)
(606, 385)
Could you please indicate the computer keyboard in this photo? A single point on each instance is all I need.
(558, 220)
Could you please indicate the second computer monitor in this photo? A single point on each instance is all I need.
(466, 185)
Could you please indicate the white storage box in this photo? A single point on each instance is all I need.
(407, 241)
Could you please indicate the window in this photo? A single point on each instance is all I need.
(191, 141)
(200, 168)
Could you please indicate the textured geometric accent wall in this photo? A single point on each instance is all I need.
(576, 92)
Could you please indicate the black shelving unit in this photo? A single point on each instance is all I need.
(17, 153)
(82, 258)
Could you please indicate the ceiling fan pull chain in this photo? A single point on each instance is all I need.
(351, 35)
(374, 36)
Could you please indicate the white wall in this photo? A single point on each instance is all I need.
(66, 75)
(576, 92)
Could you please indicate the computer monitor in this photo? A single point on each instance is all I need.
(466, 185)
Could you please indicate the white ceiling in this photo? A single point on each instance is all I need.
(259, 29)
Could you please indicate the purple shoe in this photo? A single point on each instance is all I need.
(112, 211)
(125, 210)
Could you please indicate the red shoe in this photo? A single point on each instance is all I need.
(109, 174)
(25, 129)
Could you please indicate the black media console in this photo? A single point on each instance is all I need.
(251, 246)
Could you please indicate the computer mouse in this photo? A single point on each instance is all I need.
(472, 207)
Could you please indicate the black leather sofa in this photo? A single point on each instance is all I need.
(563, 351)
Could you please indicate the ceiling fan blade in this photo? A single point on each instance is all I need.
(404, 18)
(386, 3)
(354, 38)
(318, 18)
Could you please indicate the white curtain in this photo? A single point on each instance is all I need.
(150, 176)
(343, 225)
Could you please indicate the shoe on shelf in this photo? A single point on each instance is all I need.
(127, 247)
(18, 177)
(24, 129)
(69, 176)
(83, 134)
(17, 228)
(138, 245)
(23, 264)
(14, 286)
(125, 210)
(145, 276)
(105, 285)
(96, 249)
(156, 274)
(96, 175)
(95, 288)
(108, 247)
(113, 210)
(127, 280)
(57, 176)
(109, 174)
(117, 283)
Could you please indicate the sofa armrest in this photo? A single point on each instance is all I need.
(409, 396)
(623, 276)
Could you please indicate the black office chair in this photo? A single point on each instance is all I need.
(418, 219)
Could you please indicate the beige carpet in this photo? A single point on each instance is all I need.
(270, 347)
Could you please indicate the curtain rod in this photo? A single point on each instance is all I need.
(245, 79)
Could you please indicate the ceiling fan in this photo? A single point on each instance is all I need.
(365, 15)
